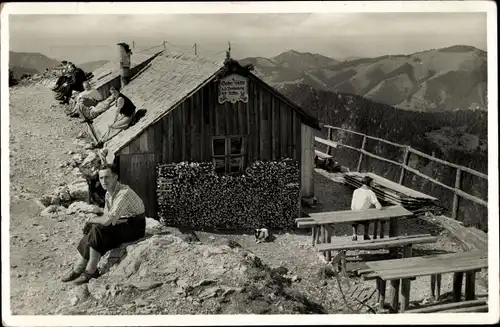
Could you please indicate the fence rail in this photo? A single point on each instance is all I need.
(457, 192)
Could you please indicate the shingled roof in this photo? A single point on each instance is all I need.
(171, 78)
(111, 69)
(167, 81)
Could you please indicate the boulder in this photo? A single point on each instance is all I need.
(52, 210)
(79, 190)
(111, 258)
(77, 173)
(46, 200)
(83, 207)
(78, 294)
(62, 192)
(92, 161)
(77, 159)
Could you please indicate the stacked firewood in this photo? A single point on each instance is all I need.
(192, 195)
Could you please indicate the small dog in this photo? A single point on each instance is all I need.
(261, 235)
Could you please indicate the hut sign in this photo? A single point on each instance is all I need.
(233, 88)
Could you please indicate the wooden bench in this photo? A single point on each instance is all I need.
(405, 242)
(322, 155)
(321, 222)
(402, 271)
(455, 307)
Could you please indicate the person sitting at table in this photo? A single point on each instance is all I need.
(362, 199)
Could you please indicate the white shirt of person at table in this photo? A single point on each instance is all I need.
(363, 198)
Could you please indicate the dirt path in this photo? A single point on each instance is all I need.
(41, 136)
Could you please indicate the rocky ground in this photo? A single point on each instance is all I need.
(169, 271)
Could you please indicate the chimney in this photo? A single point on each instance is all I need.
(124, 54)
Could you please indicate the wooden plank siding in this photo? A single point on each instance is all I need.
(272, 130)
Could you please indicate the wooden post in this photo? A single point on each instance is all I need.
(195, 49)
(457, 286)
(394, 291)
(405, 163)
(328, 254)
(330, 135)
(438, 287)
(164, 45)
(381, 285)
(458, 179)
(382, 228)
(361, 154)
(470, 285)
(406, 283)
(393, 232)
(133, 44)
(314, 231)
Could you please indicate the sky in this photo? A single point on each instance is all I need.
(82, 38)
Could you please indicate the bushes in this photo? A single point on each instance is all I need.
(192, 195)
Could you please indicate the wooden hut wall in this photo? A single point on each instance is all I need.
(271, 128)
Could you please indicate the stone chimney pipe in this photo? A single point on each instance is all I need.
(124, 54)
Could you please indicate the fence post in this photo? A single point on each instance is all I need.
(405, 163)
(458, 179)
(361, 154)
(329, 148)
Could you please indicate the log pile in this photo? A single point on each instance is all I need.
(192, 195)
(395, 193)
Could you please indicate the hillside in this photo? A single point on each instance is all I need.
(302, 60)
(453, 78)
(460, 137)
(31, 63)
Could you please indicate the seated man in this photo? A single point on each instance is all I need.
(125, 111)
(363, 198)
(64, 76)
(123, 221)
(75, 83)
(86, 100)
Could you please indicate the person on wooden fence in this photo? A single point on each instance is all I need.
(123, 221)
(362, 199)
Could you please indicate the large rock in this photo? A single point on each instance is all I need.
(83, 207)
(91, 161)
(79, 190)
(52, 210)
(62, 192)
(77, 159)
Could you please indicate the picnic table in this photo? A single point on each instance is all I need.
(322, 222)
(402, 271)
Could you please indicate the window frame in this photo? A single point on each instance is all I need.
(227, 156)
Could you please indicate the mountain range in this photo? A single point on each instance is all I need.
(447, 79)
(21, 63)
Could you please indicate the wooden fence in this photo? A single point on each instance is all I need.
(457, 192)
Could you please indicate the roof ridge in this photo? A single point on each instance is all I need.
(189, 56)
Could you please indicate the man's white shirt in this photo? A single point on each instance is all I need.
(363, 199)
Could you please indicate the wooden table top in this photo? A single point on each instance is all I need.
(349, 216)
(429, 265)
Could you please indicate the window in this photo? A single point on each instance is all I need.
(228, 154)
